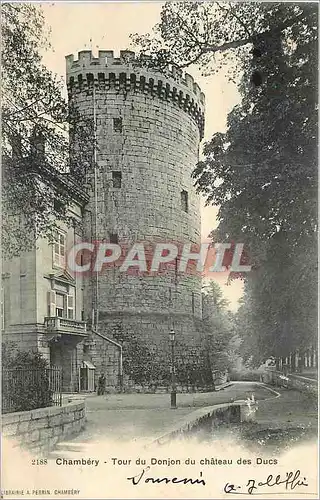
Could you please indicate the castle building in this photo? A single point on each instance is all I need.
(147, 127)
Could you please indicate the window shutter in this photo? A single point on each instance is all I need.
(70, 306)
(51, 303)
(70, 301)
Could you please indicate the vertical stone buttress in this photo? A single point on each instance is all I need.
(148, 129)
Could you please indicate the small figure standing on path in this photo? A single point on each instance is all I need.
(101, 384)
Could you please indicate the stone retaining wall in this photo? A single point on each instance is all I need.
(39, 430)
(290, 381)
(208, 419)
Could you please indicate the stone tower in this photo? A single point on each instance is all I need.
(148, 129)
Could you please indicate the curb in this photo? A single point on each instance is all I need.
(222, 386)
(191, 419)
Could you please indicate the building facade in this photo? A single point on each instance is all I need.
(42, 303)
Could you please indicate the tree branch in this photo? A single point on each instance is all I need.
(188, 32)
(240, 42)
(235, 15)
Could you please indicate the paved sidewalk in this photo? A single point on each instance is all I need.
(283, 418)
(126, 417)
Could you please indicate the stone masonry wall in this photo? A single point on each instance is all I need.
(148, 129)
(39, 430)
(279, 379)
(208, 420)
(147, 348)
(26, 341)
(105, 357)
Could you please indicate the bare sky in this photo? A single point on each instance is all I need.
(107, 25)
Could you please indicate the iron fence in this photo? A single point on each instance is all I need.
(28, 388)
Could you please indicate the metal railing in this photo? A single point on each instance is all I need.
(26, 389)
(64, 324)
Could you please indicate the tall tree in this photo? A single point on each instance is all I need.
(269, 151)
(35, 121)
(217, 325)
(255, 171)
(266, 165)
(263, 171)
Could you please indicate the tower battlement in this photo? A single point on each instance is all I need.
(126, 72)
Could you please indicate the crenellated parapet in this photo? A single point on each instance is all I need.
(127, 73)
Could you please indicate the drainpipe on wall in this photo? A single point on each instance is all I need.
(95, 313)
(96, 319)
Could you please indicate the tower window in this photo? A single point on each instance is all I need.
(116, 179)
(117, 124)
(184, 201)
(114, 238)
(192, 302)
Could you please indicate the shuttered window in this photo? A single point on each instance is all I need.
(59, 249)
(61, 305)
(70, 307)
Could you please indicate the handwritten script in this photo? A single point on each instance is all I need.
(290, 482)
(166, 480)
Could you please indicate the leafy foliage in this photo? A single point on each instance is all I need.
(212, 34)
(25, 380)
(213, 296)
(217, 327)
(266, 164)
(255, 170)
(262, 172)
(151, 367)
(35, 121)
(139, 363)
(278, 314)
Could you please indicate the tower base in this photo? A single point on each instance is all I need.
(147, 351)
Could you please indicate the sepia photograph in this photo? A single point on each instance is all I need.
(159, 237)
